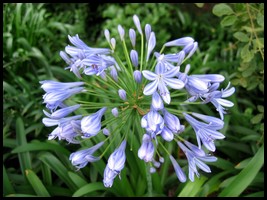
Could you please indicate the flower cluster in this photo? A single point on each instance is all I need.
(136, 89)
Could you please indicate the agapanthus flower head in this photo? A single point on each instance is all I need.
(137, 93)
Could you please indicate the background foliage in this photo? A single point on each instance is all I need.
(231, 43)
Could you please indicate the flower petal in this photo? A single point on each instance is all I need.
(172, 72)
(149, 75)
(151, 88)
(174, 83)
(225, 102)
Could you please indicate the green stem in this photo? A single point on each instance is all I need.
(149, 181)
(127, 57)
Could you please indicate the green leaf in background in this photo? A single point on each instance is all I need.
(245, 177)
(91, 187)
(191, 189)
(21, 195)
(57, 167)
(222, 9)
(36, 184)
(200, 5)
(246, 55)
(7, 186)
(257, 118)
(38, 146)
(242, 37)
(228, 20)
(78, 181)
(24, 158)
(260, 19)
(243, 163)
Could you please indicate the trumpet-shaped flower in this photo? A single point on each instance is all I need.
(160, 80)
(117, 159)
(146, 151)
(91, 124)
(80, 158)
(195, 157)
(178, 170)
(206, 132)
(216, 98)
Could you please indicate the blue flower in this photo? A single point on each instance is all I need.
(52, 86)
(178, 170)
(195, 157)
(117, 159)
(161, 79)
(169, 60)
(132, 36)
(122, 94)
(146, 150)
(216, 98)
(63, 112)
(121, 32)
(206, 132)
(109, 176)
(115, 112)
(91, 124)
(180, 42)
(67, 131)
(147, 31)
(106, 132)
(137, 24)
(172, 122)
(137, 76)
(134, 57)
(113, 75)
(153, 123)
(151, 44)
(81, 158)
(157, 102)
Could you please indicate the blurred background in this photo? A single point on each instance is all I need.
(231, 43)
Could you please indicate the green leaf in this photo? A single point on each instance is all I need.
(260, 108)
(222, 9)
(257, 118)
(250, 138)
(36, 184)
(57, 167)
(10, 89)
(200, 5)
(91, 187)
(228, 20)
(7, 186)
(213, 183)
(24, 158)
(55, 190)
(191, 189)
(77, 180)
(256, 194)
(245, 177)
(39, 146)
(241, 36)
(246, 55)
(260, 19)
(21, 195)
(243, 163)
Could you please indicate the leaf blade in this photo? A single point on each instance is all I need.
(36, 184)
(245, 177)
